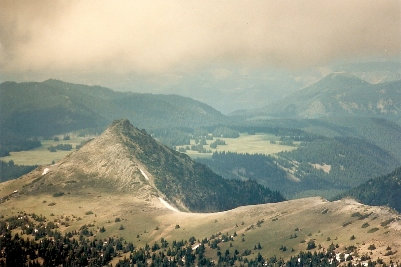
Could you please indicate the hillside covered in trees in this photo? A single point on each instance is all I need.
(380, 191)
(34, 109)
(320, 165)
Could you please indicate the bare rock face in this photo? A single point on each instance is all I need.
(104, 162)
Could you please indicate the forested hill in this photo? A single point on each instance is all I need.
(51, 107)
(340, 94)
(38, 107)
(384, 190)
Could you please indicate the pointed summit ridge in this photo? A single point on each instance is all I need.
(104, 162)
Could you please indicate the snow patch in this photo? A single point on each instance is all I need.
(338, 258)
(144, 174)
(195, 247)
(46, 170)
(167, 205)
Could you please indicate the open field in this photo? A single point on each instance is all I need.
(266, 144)
(41, 155)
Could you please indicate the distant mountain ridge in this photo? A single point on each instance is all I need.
(126, 159)
(380, 191)
(52, 106)
(33, 109)
(340, 94)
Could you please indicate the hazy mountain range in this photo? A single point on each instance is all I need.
(51, 107)
(338, 95)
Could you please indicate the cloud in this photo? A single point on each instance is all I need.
(123, 36)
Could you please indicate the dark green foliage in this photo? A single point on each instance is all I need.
(54, 107)
(375, 149)
(65, 147)
(10, 170)
(173, 136)
(379, 131)
(58, 194)
(217, 142)
(353, 161)
(387, 222)
(225, 132)
(183, 180)
(260, 168)
(10, 141)
(311, 244)
(53, 248)
(346, 223)
(375, 229)
(384, 190)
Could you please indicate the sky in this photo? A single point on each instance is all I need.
(99, 41)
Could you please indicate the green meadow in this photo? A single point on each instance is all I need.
(260, 143)
(41, 155)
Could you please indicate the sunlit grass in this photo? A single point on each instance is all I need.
(41, 155)
(266, 144)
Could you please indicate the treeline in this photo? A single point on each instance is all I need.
(284, 129)
(380, 191)
(9, 170)
(65, 147)
(182, 136)
(14, 142)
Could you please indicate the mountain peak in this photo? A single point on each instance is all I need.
(121, 123)
(341, 77)
(120, 126)
(126, 159)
